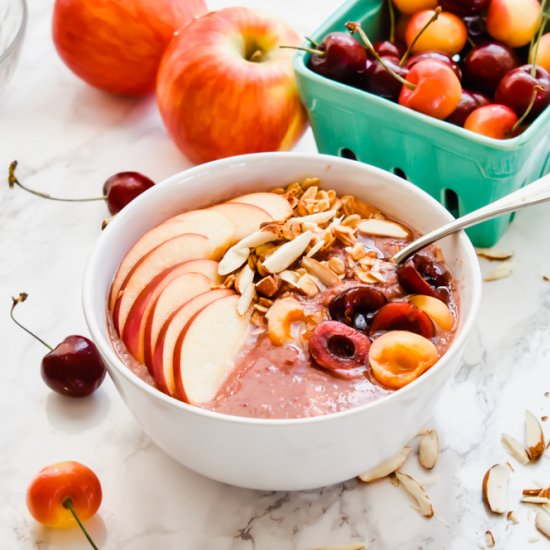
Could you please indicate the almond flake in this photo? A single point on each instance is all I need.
(535, 500)
(534, 437)
(256, 239)
(495, 487)
(511, 516)
(246, 300)
(515, 448)
(417, 492)
(386, 468)
(319, 217)
(233, 259)
(428, 449)
(542, 523)
(497, 255)
(322, 272)
(307, 285)
(315, 248)
(501, 272)
(382, 228)
(337, 265)
(244, 279)
(288, 253)
(489, 539)
(268, 286)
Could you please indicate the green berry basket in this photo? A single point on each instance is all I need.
(459, 168)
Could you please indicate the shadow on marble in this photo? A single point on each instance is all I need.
(46, 537)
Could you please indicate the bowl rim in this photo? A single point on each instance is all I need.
(12, 46)
(113, 361)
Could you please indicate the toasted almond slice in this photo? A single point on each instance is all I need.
(359, 546)
(515, 448)
(315, 248)
(288, 253)
(534, 437)
(382, 228)
(322, 272)
(489, 539)
(533, 492)
(417, 492)
(256, 239)
(511, 516)
(501, 272)
(290, 277)
(306, 283)
(320, 217)
(386, 468)
(246, 299)
(535, 500)
(495, 487)
(542, 523)
(268, 286)
(493, 254)
(428, 449)
(244, 279)
(233, 259)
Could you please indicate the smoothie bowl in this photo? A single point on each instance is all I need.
(252, 321)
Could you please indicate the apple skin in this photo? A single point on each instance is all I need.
(216, 103)
(117, 46)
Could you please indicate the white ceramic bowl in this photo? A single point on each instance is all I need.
(278, 454)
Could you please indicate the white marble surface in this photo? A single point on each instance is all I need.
(68, 139)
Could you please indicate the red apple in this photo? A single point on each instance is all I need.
(117, 46)
(225, 87)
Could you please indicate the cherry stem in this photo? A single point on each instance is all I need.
(433, 18)
(312, 42)
(392, 20)
(17, 300)
(12, 181)
(312, 51)
(353, 26)
(68, 503)
(534, 47)
(519, 122)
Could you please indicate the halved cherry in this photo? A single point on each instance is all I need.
(402, 316)
(398, 357)
(340, 349)
(438, 311)
(421, 275)
(355, 301)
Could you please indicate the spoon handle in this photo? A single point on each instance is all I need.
(531, 194)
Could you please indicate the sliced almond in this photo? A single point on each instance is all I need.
(319, 217)
(306, 283)
(288, 253)
(501, 272)
(386, 468)
(495, 487)
(290, 277)
(417, 492)
(233, 259)
(244, 279)
(542, 523)
(535, 500)
(382, 228)
(256, 239)
(428, 449)
(268, 286)
(511, 516)
(345, 547)
(489, 539)
(246, 299)
(315, 248)
(337, 265)
(515, 448)
(322, 272)
(534, 437)
(492, 254)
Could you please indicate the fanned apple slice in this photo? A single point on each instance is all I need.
(201, 368)
(179, 283)
(168, 254)
(246, 217)
(163, 357)
(219, 229)
(275, 205)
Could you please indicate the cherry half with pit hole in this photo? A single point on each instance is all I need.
(73, 368)
(421, 275)
(354, 306)
(118, 190)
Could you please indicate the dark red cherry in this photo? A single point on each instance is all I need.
(477, 27)
(516, 90)
(469, 101)
(402, 316)
(440, 56)
(340, 349)
(358, 300)
(392, 49)
(341, 57)
(74, 368)
(380, 80)
(421, 275)
(486, 64)
(465, 7)
(124, 187)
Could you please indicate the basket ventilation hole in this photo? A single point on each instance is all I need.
(348, 154)
(451, 202)
(400, 173)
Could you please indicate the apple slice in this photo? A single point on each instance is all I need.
(170, 253)
(163, 357)
(275, 205)
(180, 284)
(246, 217)
(201, 368)
(219, 229)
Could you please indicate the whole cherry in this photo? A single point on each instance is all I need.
(387, 48)
(118, 190)
(444, 58)
(64, 495)
(465, 7)
(469, 101)
(74, 367)
(496, 121)
(381, 80)
(542, 52)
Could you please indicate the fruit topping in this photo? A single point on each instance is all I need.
(339, 348)
(398, 357)
(355, 304)
(280, 318)
(420, 275)
(438, 311)
(402, 316)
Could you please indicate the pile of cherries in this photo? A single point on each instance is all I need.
(480, 64)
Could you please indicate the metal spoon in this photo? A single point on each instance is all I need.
(534, 193)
